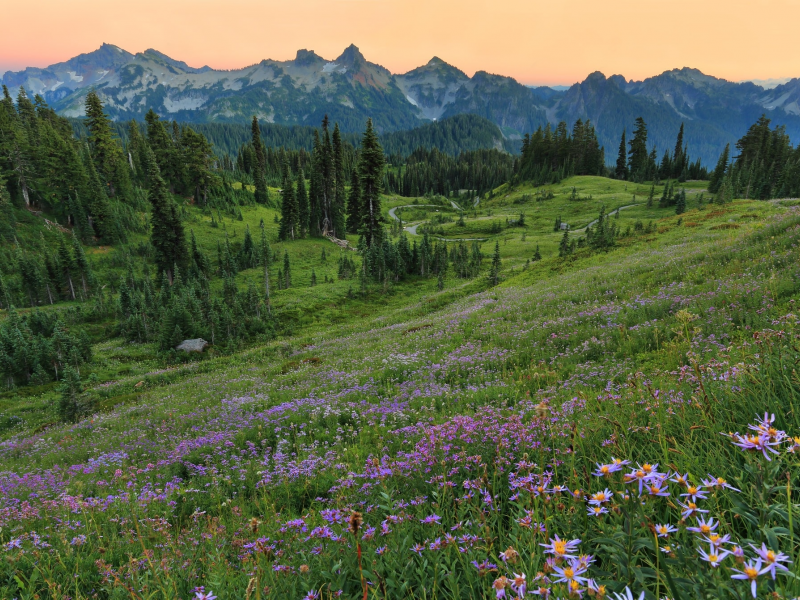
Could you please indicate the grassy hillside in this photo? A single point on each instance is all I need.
(414, 442)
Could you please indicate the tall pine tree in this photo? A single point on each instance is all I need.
(622, 159)
(260, 168)
(354, 210)
(302, 204)
(370, 170)
(167, 236)
(106, 152)
(338, 199)
(290, 218)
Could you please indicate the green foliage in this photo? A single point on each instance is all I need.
(370, 171)
(167, 237)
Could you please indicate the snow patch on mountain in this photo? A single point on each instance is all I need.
(189, 103)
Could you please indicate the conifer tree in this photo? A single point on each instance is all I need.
(167, 236)
(303, 214)
(198, 158)
(678, 155)
(494, 273)
(106, 152)
(5, 298)
(165, 151)
(370, 170)
(315, 188)
(7, 220)
(622, 159)
(247, 253)
(136, 153)
(99, 208)
(680, 205)
(665, 169)
(564, 247)
(290, 219)
(200, 266)
(65, 262)
(354, 210)
(719, 171)
(69, 404)
(82, 265)
(638, 157)
(338, 198)
(537, 256)
(260, 167)
(326, 178)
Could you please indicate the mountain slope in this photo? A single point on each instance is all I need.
(349, 89)
(715, 112)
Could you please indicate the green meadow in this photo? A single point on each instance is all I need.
(399, 440)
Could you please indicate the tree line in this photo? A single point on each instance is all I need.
(766, 166)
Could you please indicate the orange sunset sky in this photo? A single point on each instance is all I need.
(535, 41)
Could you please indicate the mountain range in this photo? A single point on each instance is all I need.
(350, 88)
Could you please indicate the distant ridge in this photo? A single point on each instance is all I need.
(349, 89)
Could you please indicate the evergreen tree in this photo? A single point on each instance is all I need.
(622, 159)
(302, 204)
(106, 152)
(537, 256)
(719, 171)
(198, 160)
(165, 150)
(313, 278)
(8, 221)
(136, 153)
(338, 198)
(370, 170)
(67, 266)
(99, 207)
(494, 273)
(316, 188)
(680, 205)
(326, 179)
(200, 265)
(167, 235)
(290, 218)
(81, 264)
(679, 158)
(70, 402)
(354, 209)
(259, 174)
(247, 253)
(638, 156)
(564, 246)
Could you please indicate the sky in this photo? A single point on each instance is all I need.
(545, 42)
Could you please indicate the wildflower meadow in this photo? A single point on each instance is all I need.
(621, 426)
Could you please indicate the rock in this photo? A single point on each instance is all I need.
(197, 345)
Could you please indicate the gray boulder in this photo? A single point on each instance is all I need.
(197, 345)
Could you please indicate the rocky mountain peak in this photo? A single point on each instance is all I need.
(306, 58)
(351, 58)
